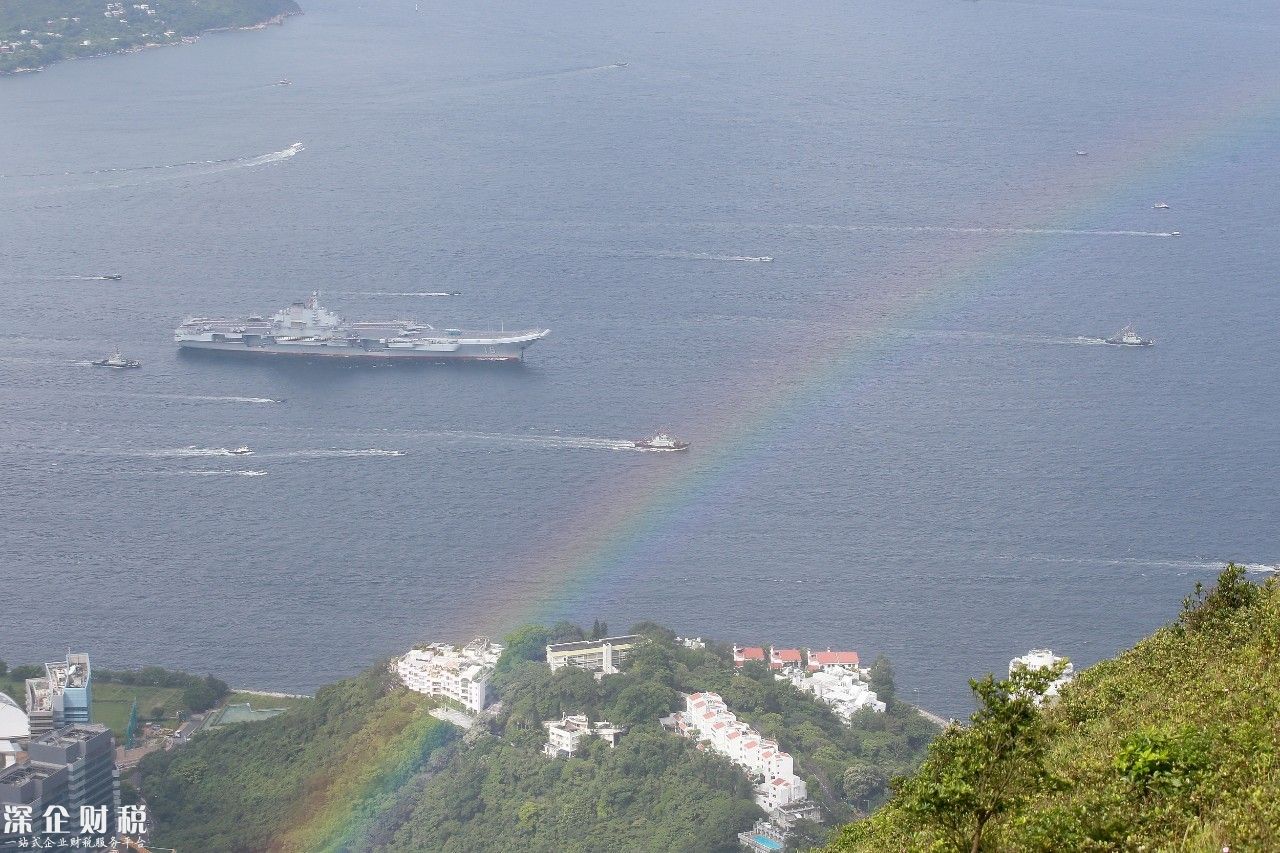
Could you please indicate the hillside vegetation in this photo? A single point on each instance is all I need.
(66, 29)
(1174, 745)
(364, 766)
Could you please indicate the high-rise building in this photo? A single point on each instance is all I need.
(87, 752)
(64, 696)
(36, 786)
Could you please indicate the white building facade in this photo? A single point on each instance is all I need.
(564, 736)
(1037, 659)
(708, 720)
(460, 673)
(844, 689)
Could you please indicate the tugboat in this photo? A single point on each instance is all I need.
(661, 442)
(117, 361)
(1127, 337)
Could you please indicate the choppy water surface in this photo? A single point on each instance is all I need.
(847, 249)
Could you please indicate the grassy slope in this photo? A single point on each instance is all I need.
(264, 785)
(1217, 685)
(112, 702)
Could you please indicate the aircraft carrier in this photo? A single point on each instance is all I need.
(309, 330)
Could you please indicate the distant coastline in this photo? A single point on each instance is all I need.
(31, 42)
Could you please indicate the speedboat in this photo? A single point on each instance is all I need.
(661, 441)
(1127, 337)
(117, 361)
(1160, 205)
(242, 450)
(112, 277)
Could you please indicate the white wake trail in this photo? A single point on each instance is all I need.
(206, 166)
(978, 230)
(398, 293)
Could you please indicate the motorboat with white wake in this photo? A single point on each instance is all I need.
(660, 442)
(1127, 337)
(117, 362)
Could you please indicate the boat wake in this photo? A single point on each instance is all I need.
(996, 231)
(207, 165)
(335, 453)
(1176, 563)
(195, 398)
(192, 451)
(705, 256)
(222, 472)
(551, 442)
(398, 293)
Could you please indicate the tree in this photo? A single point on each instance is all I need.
(863, 784)
(28, 671)
(599, 629)
(978, 774)
(157, 712)
(642, 703)
(4, 668)
(882, 679)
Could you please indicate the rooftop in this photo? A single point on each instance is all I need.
(582, 645)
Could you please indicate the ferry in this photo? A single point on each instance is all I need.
(1127, 337)
(660, 442)
(117, 362)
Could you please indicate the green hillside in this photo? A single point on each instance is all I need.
(1174, 745)
(364, 766)
(35, 33)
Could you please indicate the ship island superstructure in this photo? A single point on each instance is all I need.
(308, 329)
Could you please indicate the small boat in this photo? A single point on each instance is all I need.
(661, 441)
(619, 65)
(284, 81)
(242, 450)
(1127, 337)
(1160, 205)
(1175, 233)
(1082, 153)
(117, 361)
(111, 277)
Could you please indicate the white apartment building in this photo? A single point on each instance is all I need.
(1043, 659)
(708, 720)
(844, 689)
(460, 673)
(565, 735)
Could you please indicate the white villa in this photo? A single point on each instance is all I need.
(1043, 659)
(843, 688)
(709, 721)
(565, 735)
(460, 673)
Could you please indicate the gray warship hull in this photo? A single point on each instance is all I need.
(499, 351)
(306, 330)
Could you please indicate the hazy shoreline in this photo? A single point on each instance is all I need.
(274, 20)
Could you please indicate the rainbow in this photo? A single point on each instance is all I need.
(339, 813)
(631, 515)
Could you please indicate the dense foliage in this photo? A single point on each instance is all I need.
(1171, 746)
(364, 766)
(262, 786)
(61, 27)
(198, 694)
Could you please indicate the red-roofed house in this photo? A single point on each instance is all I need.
(822, 660)
(779, 658)
(750, 653)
